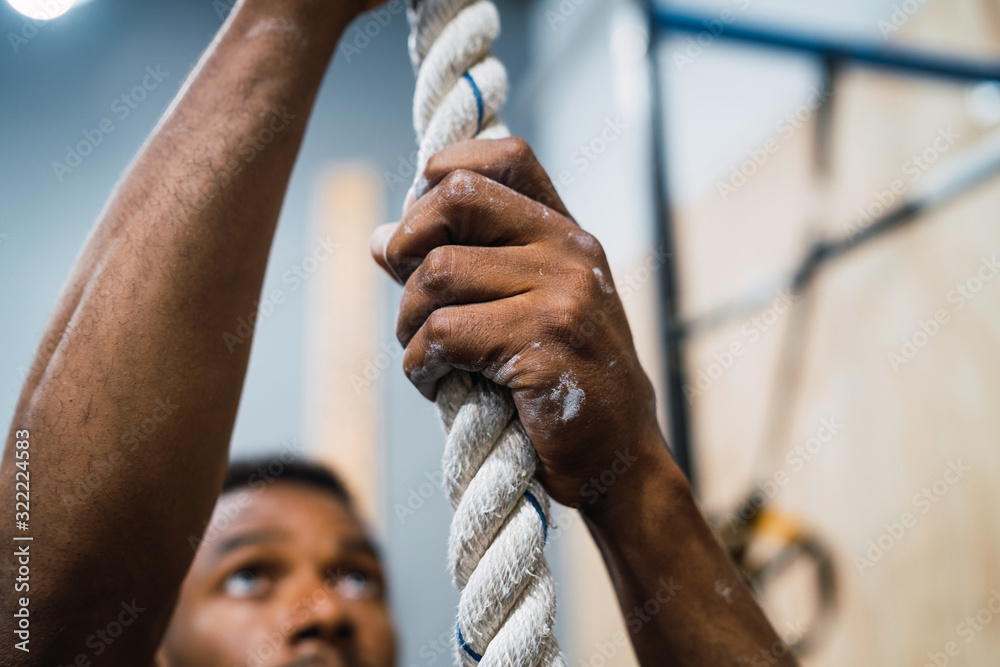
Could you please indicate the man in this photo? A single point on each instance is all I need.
(286, 575)
(498, 279)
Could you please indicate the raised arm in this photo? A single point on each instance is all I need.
(132, 395)
(499, 279)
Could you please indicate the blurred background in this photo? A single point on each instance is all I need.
(815, 266)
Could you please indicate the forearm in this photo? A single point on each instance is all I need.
(683, 599)
(178, 255)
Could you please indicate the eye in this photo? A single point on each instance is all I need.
(248, 582)
(355, 584)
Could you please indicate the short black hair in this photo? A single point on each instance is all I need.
(258, 472)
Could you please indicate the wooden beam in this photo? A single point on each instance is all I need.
(343, 331)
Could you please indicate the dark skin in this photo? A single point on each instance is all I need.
(500, 283)
(294, 571)
(179, 255)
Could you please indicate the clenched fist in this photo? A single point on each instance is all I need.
(499, 279)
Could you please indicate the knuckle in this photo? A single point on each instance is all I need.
(515, 162)
(457, 187)
(439, 325)
(436, 269)
(517, 151)
(588, 245)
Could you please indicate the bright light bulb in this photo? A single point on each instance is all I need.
(42, 9)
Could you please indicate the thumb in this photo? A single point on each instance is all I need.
(379, 242)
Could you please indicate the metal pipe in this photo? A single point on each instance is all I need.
(673, 364)
(908, 61)
(969, 169)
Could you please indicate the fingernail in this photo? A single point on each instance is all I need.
(421, 186)
(409, 201)
(379, 243)
(416, 191)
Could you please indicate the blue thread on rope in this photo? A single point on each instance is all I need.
(465, 647)
(545, 532)
(479, 99)
(538, 508)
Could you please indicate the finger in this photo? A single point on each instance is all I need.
(469, 209)
(457, 275)
(472, 337)
(377, 243)
(509, 161)
(411, 197)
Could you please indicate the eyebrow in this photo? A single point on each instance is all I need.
(361, 545)
(248, 538)
(352, 544)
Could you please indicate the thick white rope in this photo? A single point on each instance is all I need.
(507, 608)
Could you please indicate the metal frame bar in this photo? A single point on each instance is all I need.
(913, 62)
(673, 367)
(831, 53)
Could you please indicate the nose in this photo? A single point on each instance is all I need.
(324, 616)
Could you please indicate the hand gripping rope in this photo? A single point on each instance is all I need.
(507, 608)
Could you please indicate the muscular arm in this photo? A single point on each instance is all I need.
(680, 594)
(500, 280)
(136, 342)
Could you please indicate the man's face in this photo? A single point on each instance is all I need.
(289, 579)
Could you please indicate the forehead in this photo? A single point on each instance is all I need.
(303, 511)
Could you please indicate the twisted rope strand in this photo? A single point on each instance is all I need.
(507, 608)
